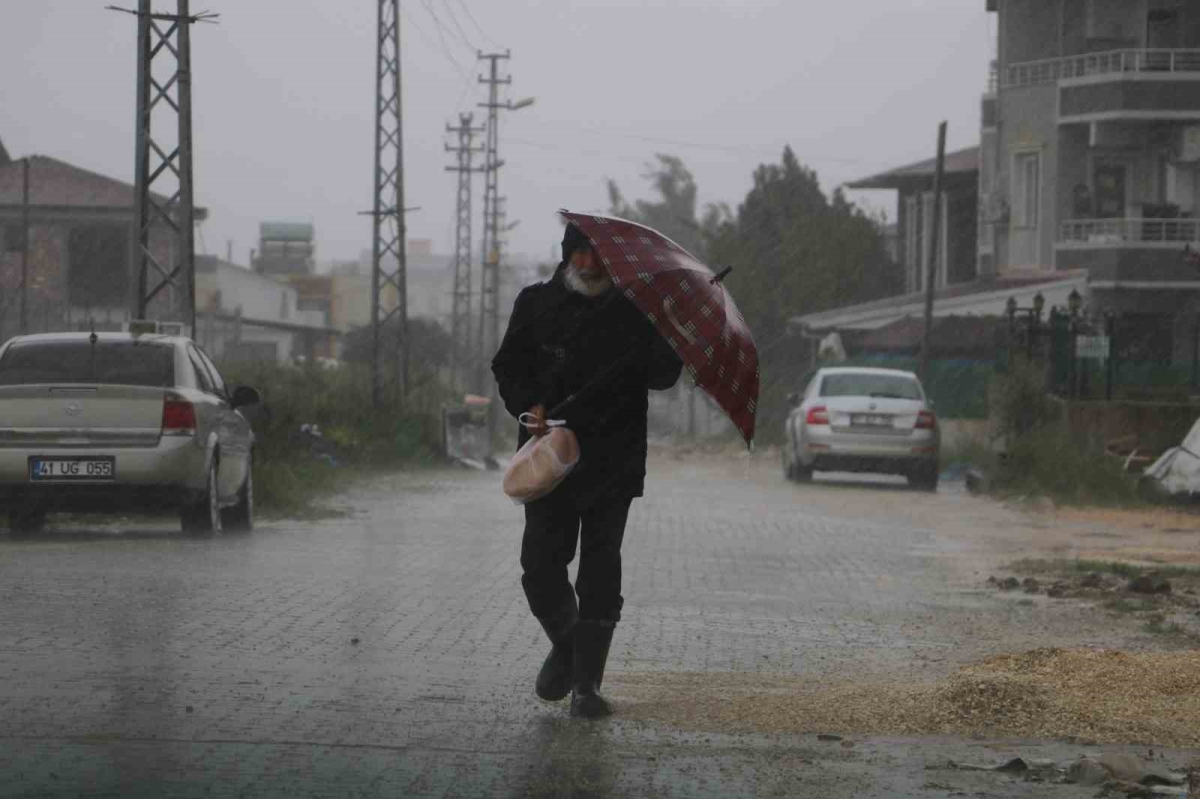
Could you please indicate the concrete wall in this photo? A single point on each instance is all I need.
(1182, 306)
(48, 297)
(1028, 123)
(1131, 95)
(1157, 426)
(1030, 30)
(1129, 264)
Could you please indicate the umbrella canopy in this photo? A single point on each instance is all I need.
(688, 306)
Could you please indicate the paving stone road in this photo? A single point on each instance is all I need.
(390, 652)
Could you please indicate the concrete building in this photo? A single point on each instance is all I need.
(244, 315)
(1092, 133)
(74, 232)
(1088, 178)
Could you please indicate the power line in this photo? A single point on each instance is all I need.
(462, 73)
(462, 35)
(441, 31)
(471, 17)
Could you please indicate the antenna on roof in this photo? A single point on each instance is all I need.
(92, 322)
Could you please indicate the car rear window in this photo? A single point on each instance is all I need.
(124, 363)
(869, 385)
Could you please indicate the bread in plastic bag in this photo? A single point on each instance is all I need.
(540, 465)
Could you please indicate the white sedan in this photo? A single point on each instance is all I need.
(121, 422)
(852, 419)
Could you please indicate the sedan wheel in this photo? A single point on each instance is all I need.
(241, 516)
(205, 515)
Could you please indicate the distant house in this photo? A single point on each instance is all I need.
(914, 214)
(1087, 176)
(72, 230)
(1092, 131)
(242, 315)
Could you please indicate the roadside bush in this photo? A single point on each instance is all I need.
(291, 468)
(1049, 460)
(1040, 454)
(1017, 399)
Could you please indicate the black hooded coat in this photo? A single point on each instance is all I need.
(560, 342)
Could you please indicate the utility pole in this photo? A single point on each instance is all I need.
(935, 249)
(489, 283)
(489, 306)
(25, 245)
(461, 324)
(164, 37)
(389, 236)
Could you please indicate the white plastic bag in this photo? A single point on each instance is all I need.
(540, 465)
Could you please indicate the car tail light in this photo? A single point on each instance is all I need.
(178, 416)
(817, 415)
(926, 421)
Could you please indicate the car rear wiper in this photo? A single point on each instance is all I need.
(885, 395)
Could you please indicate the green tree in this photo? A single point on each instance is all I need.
(674, 213)
(430, 347)
(796, 251)
(793, 250)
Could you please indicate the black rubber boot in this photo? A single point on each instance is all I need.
(592, 639)
(554, 680)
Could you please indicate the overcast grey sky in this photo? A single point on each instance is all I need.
(284, 90)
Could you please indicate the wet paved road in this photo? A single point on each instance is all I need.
(391, 653)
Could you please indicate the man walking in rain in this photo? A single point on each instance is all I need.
(574, 334)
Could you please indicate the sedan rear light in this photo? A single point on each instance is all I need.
(178, 416)
(817, 414)
(926, 421)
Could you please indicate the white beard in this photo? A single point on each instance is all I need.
(588, 287)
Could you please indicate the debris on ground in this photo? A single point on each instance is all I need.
(1166, 604)
(1150, 584)
(1176, 473)
(1097, 696)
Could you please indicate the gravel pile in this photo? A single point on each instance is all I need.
(1093, 695)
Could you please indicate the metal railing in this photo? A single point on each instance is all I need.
(1109, 62)
(1124, 232)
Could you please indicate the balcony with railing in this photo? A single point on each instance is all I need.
(1142, 250)
(1117, 84)
(1127, 233)
(1115, 63)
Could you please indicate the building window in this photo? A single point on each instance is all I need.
(1027, 185)
(98, 266)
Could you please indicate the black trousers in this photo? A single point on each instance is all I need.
(553, 525)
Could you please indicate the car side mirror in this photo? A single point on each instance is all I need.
(244, 396)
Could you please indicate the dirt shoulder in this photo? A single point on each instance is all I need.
(1037, 653)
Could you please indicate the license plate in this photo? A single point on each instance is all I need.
(53, 470)
(870, 420)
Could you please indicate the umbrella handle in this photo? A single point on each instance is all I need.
(600, 379)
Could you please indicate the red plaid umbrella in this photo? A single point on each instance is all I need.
(687, 305)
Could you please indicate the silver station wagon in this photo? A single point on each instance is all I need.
(121, 422)
(863, 420)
